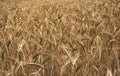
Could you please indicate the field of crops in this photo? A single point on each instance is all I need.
(59, 37)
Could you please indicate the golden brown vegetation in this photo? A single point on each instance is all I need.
(59, 38)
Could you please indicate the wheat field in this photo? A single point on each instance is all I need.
(59, 37)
